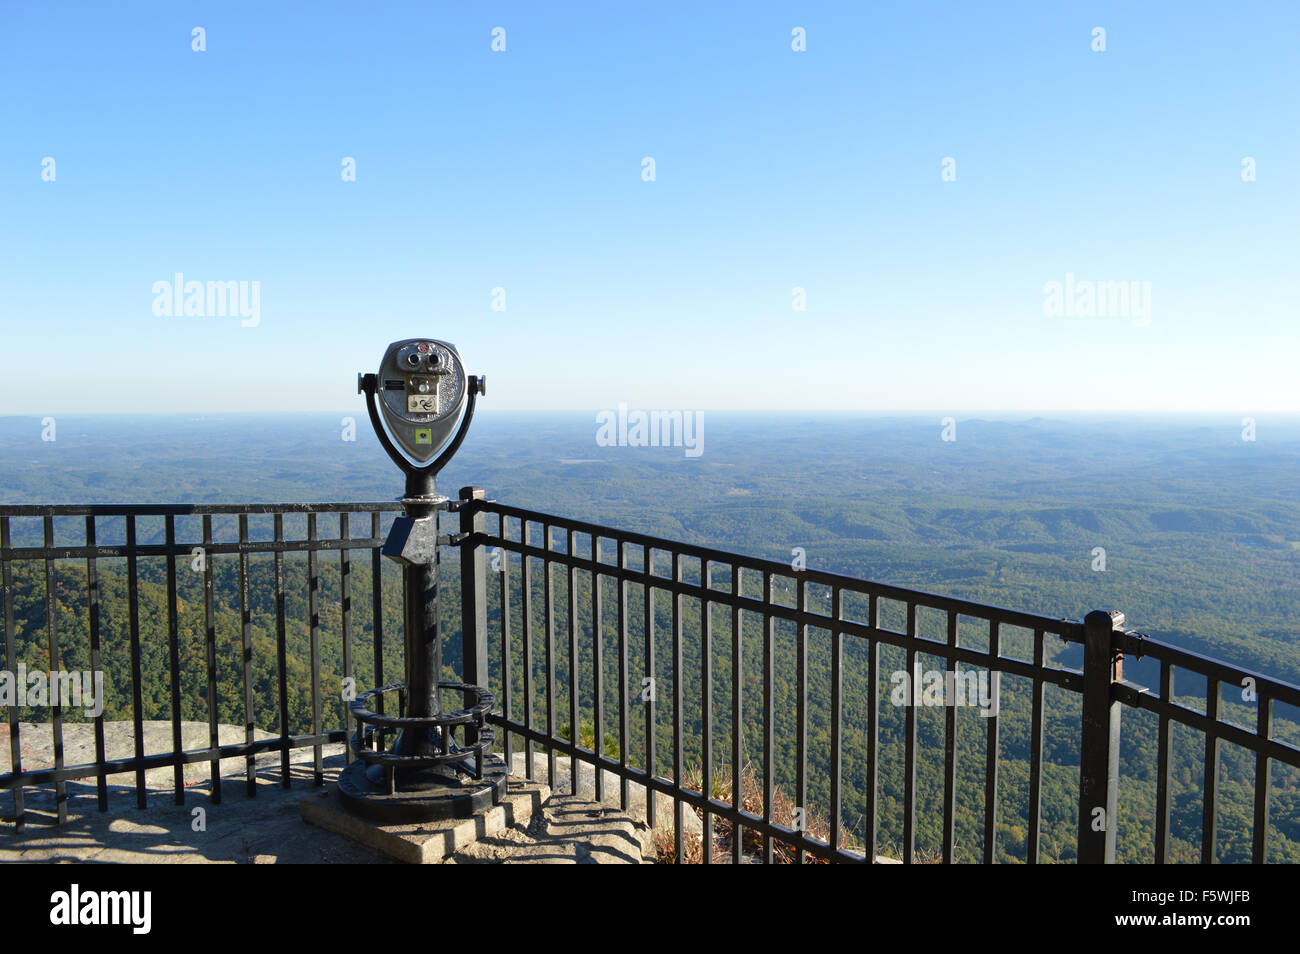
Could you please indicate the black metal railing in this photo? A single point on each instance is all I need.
(565, 620)
(693, 580)
(209, 546)
(1257, 740)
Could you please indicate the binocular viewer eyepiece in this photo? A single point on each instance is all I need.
(424, 356)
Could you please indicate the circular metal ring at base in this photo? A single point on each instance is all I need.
(470, 796)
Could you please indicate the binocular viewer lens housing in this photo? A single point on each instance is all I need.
(422, 390)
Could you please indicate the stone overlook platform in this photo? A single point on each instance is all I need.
(534, 825)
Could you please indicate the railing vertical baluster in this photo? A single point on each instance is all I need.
(598, 634)
(174, 660)
(133, 622)
(651, 761)
(1263, 784)
(737, 668)
(620, 558)
(769, 732)
(991, 751)
(56, 710)
(1163, 745)
(873, 729)
(313, 636)
(837, 718)
(96, 661)
(377, 617)
(526, 607)
(345, 612)
(210, 642)
(548, 570)
(281, 652)
(11, 663)
(1210, 807)
(677, 705)
(950, 750)
(909, 743)
(571, 584)
(623, 746)
(801, 718)
(246, 655)
(507, 673)
(706, 704)
(1036, 754)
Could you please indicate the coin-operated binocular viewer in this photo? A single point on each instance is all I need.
(421, 403)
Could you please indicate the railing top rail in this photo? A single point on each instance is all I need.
(1071, 630)
(163, 510)
(1139, 645)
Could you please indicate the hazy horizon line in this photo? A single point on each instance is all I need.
(783, 412)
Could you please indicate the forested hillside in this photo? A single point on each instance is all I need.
(1201, 534)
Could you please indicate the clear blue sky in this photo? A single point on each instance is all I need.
(775, 169)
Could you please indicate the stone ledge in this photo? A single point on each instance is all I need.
(430, 842)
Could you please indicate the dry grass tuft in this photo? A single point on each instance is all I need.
(751, 800)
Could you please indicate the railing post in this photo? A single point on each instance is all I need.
(473, 592)
(1099, 746)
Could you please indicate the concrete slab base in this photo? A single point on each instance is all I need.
(427, 842)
